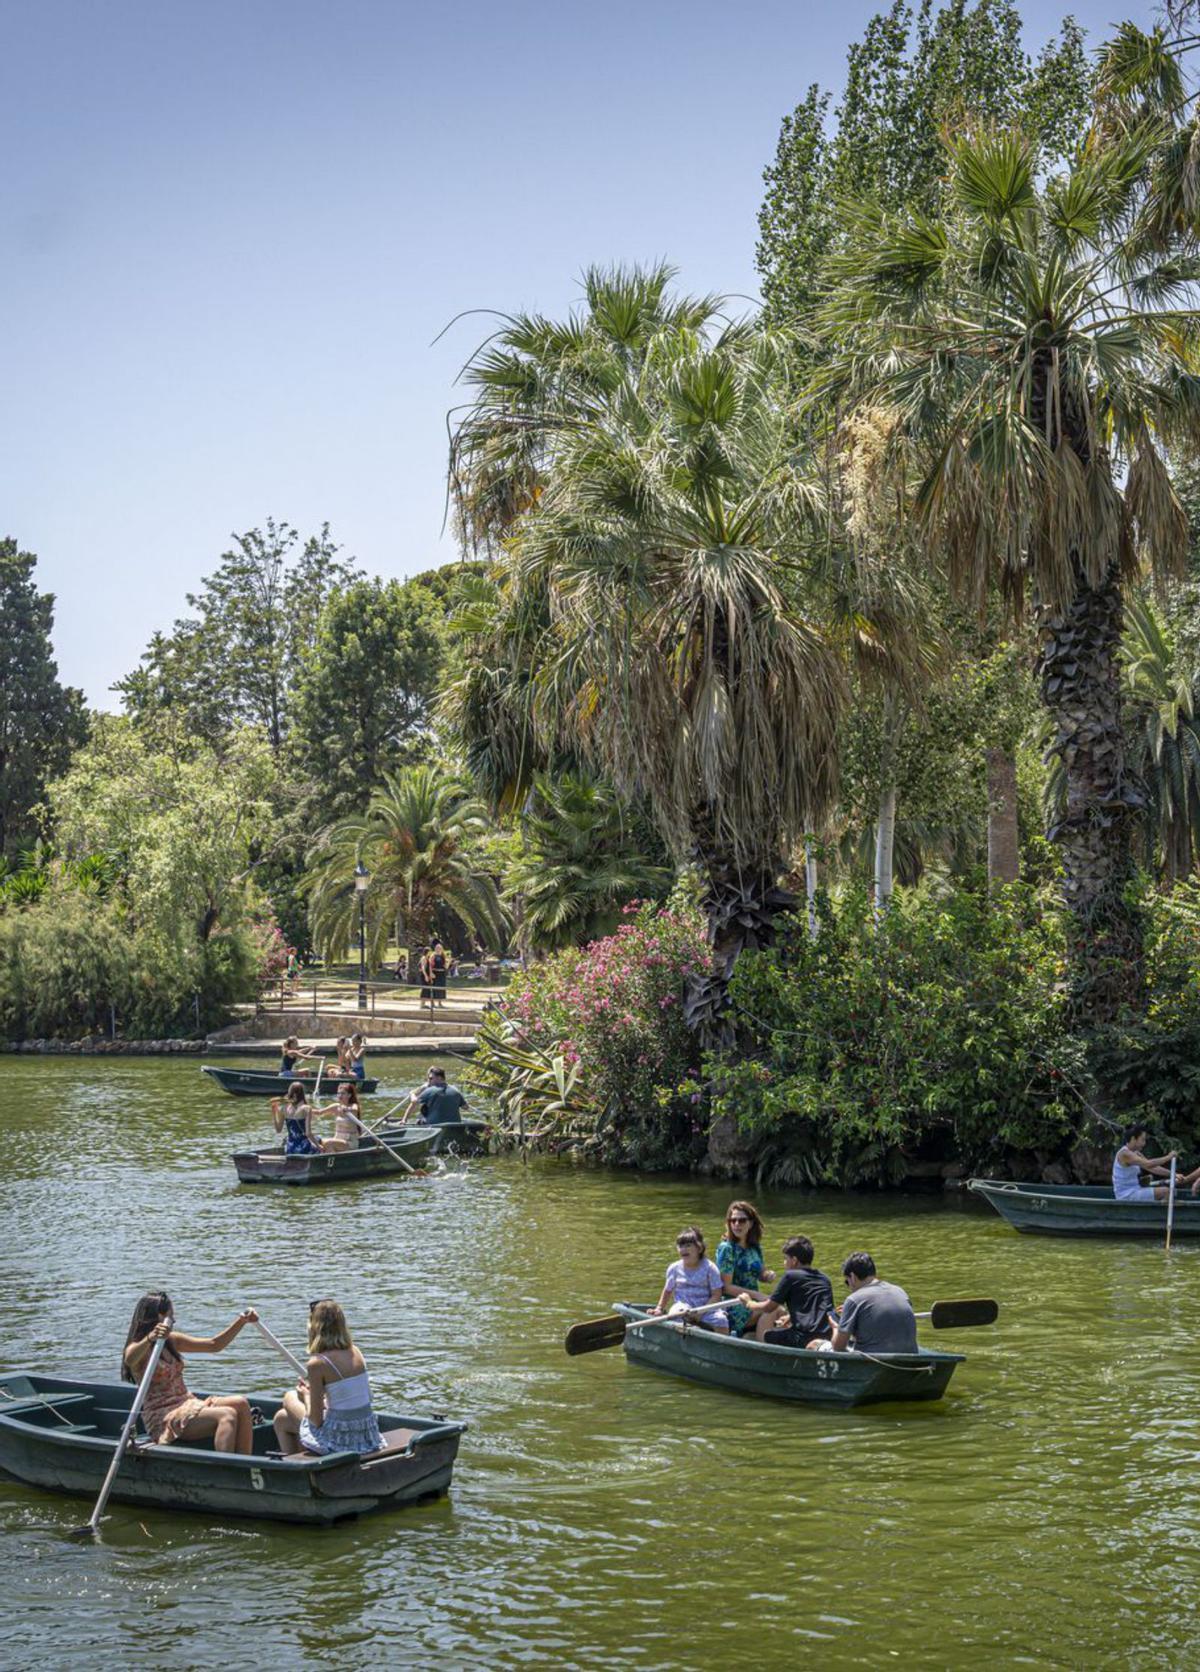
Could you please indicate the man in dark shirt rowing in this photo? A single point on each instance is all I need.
(807, 1295)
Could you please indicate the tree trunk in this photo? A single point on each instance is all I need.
(741, 906)
(1003, 851)
(1082, 691)
(885, 819)
(810, 886)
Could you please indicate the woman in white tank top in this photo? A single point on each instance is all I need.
(1131, 1161)
(331, 1408)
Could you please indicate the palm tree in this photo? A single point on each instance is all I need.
(1164, 715)
(416, 840)
(668, 518)
(1031, 343)
(579, 864)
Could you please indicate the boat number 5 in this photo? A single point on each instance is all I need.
(256, 1479)
(827, 1367)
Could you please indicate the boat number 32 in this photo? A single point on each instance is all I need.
(827, 1367)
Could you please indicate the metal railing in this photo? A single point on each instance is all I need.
(330, 992)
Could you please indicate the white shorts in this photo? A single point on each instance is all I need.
(1141, 1193)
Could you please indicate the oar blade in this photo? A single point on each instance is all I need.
(962, 1314)
(594, 1335)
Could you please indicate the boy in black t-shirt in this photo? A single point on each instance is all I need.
(807, 1295)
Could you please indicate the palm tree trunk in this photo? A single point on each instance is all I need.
(810, 886)
(885, 818)
(741, 906)
(1082, 691)
(1003, 851)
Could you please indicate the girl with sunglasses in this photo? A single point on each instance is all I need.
(330, 1409)
(740, 1262)
(692, 1280)
(170, 1412)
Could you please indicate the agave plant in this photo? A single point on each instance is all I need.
(539, 1093)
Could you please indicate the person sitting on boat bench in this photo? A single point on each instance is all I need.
(1130, 1162)
(876, 1316)
(805, 1293)
(439, 1104)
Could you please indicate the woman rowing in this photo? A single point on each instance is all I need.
(170, 1412)
(291, 1055)
(292, 1116)
(1131, 1161)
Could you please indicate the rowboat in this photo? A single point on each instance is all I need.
(59, 1434)
(1085, 1210)
(747, 1366)
(414, 1144)
(261, 1082)
(456, 1137)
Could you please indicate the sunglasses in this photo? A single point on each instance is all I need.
(687, 1242)
(738, 1219)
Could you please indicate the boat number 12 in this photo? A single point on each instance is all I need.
(827, 1367)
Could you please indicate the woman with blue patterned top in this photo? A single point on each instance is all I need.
(740, 1261)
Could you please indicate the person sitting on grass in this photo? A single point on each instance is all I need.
(1131, 1161)
(692, 1281)
(876, 1316)
(805, 1293)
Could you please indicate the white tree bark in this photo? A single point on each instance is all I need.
(810, 886)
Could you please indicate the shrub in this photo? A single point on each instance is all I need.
(942, 1033)
(613, 1009)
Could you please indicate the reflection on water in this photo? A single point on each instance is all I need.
(599, 1513)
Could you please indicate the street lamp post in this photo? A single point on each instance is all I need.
(361, 878)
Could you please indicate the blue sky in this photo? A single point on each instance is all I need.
(232, 231)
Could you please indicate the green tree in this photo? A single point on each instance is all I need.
(417, 840)
(41, 720)
(667, 511)
(1014, 336)
(915, 72)
(182, 834)
(235, 660)
(578, 863)
(363, 694)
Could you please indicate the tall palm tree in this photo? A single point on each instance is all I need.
(415, 839)
(1164, 725)
(1037, 346)
(579, 864)
(669, 516)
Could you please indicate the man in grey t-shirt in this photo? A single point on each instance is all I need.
(877, 1317)
(439, 1103)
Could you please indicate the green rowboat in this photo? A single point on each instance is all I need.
(59, 1435)
(1085, 1210)
(744, 1366)
(414, 1144)
(263, 1082)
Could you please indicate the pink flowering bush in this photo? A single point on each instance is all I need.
(615, 1009)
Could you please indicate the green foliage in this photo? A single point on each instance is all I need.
(235, 661)
(364, 689)
(181, 831)
(940, 1034)
(417, 840)
(579, 860)
(916, 73)
(41, 720)
(613, 1014)
(72, 963)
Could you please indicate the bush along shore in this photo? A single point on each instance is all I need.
(926, 1046)
(100, 1045)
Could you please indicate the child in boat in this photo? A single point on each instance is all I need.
(343, 1055)
(692, 1280)
(331, 1407)
(345, 1130)
(293, 1054)
(293, 1116)
(170, 1411)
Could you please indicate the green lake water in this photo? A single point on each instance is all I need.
(1045, 1513)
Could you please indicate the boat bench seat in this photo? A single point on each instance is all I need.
(395, 1439)
(42, 1401)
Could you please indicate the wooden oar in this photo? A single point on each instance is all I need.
(1170, 1205)
(279, 1347)
(417, 1172)
(139, 1399)
(598, 1333)
(317, 1087)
